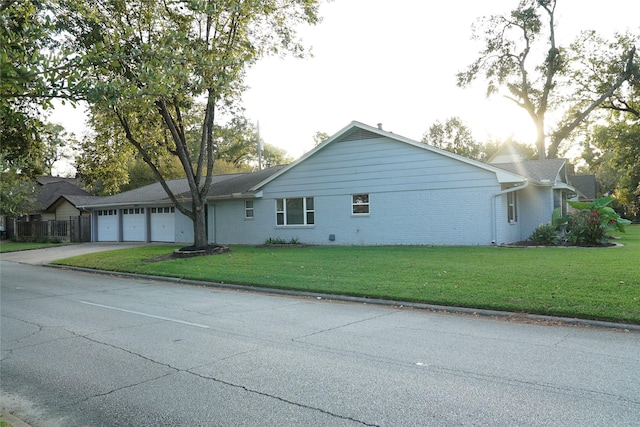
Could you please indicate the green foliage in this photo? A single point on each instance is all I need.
(151, 61)
(612, 149)
(17, 191)
(590, 223)
(319, 137)
(275, 241)
(545, 234)
(456, 137)
(521, 56)
(33, 71)
(281, 241)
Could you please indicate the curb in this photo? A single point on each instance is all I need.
(362, 300)
(15, 422)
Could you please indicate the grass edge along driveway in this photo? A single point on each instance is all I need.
(587, 283)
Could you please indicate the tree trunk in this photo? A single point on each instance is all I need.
(200, 238)
(540, 142)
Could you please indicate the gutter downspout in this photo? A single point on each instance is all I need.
(494, 223)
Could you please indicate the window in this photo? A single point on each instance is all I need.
(360, 204)
(295, 211)
(512, 207)
(248, 209)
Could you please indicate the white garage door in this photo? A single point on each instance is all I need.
(133, 225)
(108, 225)
(163, 224)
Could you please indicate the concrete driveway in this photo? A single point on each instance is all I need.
(47, 255)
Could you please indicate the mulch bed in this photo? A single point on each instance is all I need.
(190, 252)
(529, 244)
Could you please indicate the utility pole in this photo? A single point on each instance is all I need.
(259, 148)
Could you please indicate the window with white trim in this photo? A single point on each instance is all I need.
(360, 204)
(248, 209)
(512, 207)
(298, 211)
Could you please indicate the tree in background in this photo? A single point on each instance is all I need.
(612, 142)
(540, 79)
(18, 192)
(34, 70)
(455, 136)
(612, 153)
(151, 60)
(57, 144)
(108, 164)
(319, 138)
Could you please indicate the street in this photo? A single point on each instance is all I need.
(81, 349)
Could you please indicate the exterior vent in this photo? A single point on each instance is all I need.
(358, 134)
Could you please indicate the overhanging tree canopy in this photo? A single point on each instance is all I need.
(522, 55)
(149, 62)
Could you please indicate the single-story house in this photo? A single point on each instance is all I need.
(58, 199)
(56, 212)
(362, 186)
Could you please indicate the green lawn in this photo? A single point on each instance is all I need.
(593, 283)
(8, 246)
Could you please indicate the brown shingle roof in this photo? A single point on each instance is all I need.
(49, 193)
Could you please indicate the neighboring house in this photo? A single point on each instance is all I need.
(586, 186)
(56, 212)
(58, 200)
(363, 186)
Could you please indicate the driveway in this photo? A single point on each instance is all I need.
(47, 255)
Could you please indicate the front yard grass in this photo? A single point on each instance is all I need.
(591, 283)
(9, 246)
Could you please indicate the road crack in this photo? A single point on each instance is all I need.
(205, 377)
(334, 328)
(281, 399)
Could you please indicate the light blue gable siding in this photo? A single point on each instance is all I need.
(417, 197)
(376, 165)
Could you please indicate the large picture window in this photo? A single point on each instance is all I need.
(360, 204)
(299, 211)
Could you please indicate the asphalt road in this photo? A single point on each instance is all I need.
(80, 349)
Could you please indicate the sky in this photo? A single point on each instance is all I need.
(395, 63)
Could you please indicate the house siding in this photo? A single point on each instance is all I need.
(416, 197)
(536, 206)
(66, 211)
(183, 228)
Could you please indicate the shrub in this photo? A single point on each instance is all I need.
(589, 224)
(275, 241)
(545, 234)
(281, 241)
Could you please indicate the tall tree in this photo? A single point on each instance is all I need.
(513, 59)
(57, 142)
(152, 60)
(455, 136)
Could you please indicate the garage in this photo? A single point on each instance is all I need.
(163, 224)
(108, 225)
(133, 225)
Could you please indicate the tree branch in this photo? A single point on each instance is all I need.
(147, 159)
(563, 132)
